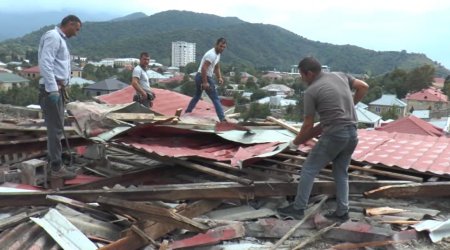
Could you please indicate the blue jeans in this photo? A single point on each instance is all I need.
(336, 147)
(212, 93)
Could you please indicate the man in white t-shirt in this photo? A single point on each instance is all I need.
(204, 78)
(141, 82)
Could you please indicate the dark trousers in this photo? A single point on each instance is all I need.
(54, 121)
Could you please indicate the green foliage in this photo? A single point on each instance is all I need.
(251, 85)
(256, 110)
(20, 96)
(190, 68)
(391, 113)
(446, 88)
(294, 112)
(76, 93)
(258, 94)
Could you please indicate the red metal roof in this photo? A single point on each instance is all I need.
(412, 125)
(430, 94)
(165, 103)
(176, 142)
(34, 69)
(408, 151)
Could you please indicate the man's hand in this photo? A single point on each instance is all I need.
(54, 97)
(205, 86)
(220, 80)
(293, 146)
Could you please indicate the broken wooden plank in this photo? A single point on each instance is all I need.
(323, 170)
(308, 214)
(21, 217)
(315, 236)
(194, 191)
(382, 210)
(433, 189)
(155, 213)
(137, 117)
(156, 230)
(82, 206)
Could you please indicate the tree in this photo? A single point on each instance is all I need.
(257, 110)
(188, 88)
(258, 94)
(251, 84)
(391, 113)
(446, 88)
(420, 78)
(190, 68)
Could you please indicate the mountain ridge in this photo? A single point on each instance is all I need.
(263, 46)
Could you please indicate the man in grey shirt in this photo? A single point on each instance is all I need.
(54, 66)
(329, 94)
(141, 82)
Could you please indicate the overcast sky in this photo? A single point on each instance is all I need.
(383, 25)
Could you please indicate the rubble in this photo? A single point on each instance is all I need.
(147, 181)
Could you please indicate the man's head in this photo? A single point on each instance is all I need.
(221, 44)
(309, 68)
(70, 25)
(144, 59)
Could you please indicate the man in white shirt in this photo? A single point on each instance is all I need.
(204, 78)
(54, 66)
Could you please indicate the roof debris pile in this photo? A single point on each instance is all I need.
(159, 181)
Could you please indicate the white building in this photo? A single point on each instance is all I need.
(182, 53)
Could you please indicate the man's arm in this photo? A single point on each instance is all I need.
(137, 87)
(361, 89)
(307, 131)
(218, 73)
(205, 66)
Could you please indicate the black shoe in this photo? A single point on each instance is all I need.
(290, 212)
(335, 217)
(63, 173)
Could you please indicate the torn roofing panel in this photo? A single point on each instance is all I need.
(166, 102)
(176, 142)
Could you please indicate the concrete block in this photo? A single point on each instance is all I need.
(33, 172)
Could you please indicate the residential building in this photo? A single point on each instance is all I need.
(387, 102)
(412, 125)
(75, 71)
(31, 73)
(8, 80)
(105, 87)
(432, 99)
(365, 117)
(438, 82)
(124, 62)
(80, 81)
(279, 89)
(182, 53)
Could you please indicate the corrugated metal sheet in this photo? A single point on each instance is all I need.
(417, 152)
(165, 103)
(176, 142)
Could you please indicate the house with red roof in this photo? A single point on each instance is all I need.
(412, 125)
(31, 73)
(432, 99)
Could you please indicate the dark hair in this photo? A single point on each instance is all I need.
(70, 18)
(221, 40)
(144, 54)
(310, 64)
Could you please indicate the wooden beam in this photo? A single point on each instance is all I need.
(433, 189)
(156, 230)
(138, 117)
(323, 170)
(154, 213)
(194, 191)
(283, 124)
